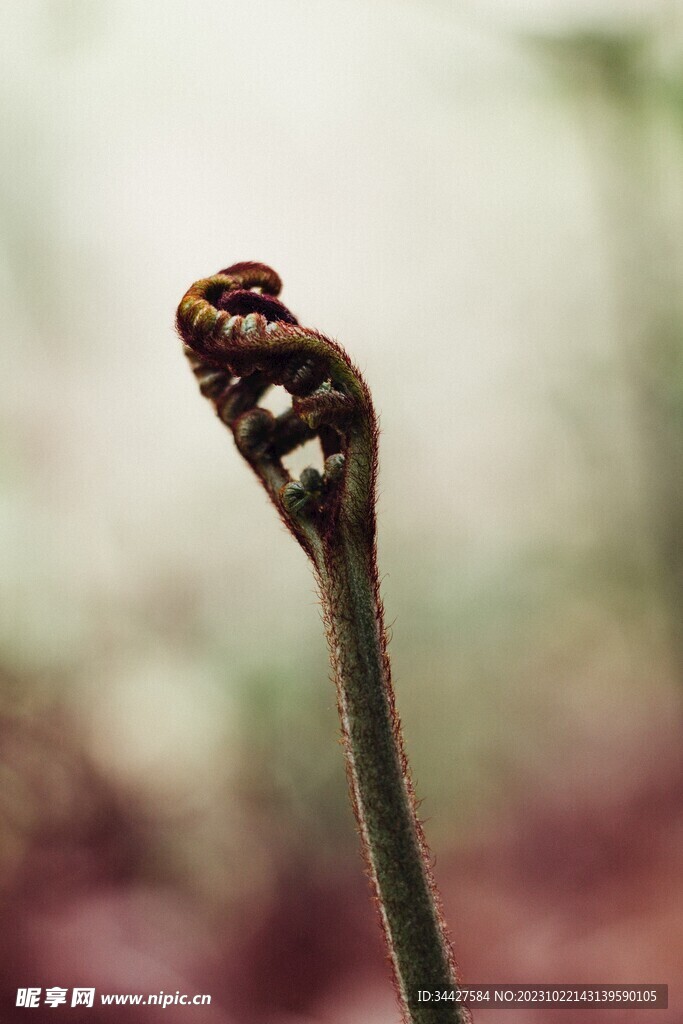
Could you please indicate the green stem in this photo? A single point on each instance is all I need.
(392, 837)
(333, 518)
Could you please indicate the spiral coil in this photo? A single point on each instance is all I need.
(241, 342)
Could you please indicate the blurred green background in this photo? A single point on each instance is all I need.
(484, 206)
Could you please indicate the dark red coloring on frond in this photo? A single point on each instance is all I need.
(241, 302)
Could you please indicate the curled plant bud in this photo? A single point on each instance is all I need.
(304, 377)
(254, 342)
(325, 405)
(240, 343)
(295, 498)
(311, 480)
(334, 467)
(254, 431)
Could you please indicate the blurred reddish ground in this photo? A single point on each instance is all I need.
(580, 885)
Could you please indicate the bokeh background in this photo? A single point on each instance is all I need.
(484, 203)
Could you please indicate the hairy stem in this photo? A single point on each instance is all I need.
(240, 343)
(393, 843)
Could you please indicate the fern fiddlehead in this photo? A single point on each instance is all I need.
(240, 342)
